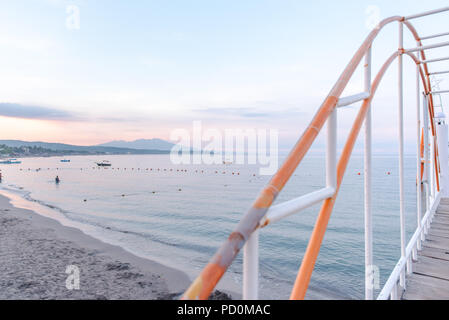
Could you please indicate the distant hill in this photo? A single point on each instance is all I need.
(61, 147)
(141, 144)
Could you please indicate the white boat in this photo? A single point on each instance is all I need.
(10, 161)
(104, 163)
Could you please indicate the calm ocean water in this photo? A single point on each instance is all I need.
(180, 218)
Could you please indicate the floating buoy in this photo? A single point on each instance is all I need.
(179, 189)
(358, 173)
(123, 195)
(388, 172)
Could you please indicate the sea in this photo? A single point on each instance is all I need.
(179, 215)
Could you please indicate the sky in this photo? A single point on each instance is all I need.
(87, 72)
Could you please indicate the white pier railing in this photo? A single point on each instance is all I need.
(431, 164)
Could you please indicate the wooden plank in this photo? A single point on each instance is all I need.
(420, 287)
(430, 277)
(441, 216)
(432, 267)
(440, 226)
(434, 253)
(438, 219)
(444, 210)
(439, 232)
(437, 242)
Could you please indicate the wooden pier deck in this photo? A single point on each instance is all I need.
(430, 277)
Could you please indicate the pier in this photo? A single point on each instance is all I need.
(430, 273)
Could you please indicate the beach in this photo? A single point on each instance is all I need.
(35, 252)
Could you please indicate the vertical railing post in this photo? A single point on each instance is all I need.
(251, 267)
(442, 134)
(369, 276)
(431, 171)
(418, 158)
(426, 156)
(331, 151)
(401, 148)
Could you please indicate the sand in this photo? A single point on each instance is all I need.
(35, 252)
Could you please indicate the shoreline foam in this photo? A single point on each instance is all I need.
(36, 251)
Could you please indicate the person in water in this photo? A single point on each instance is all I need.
(57, 179)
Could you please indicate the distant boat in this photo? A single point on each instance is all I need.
(65, 160)
(103, 163)
(227, 162)
(10, 161)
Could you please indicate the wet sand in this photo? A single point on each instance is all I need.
(35, 252)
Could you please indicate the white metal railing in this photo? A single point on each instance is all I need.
(244, 233)
(408, 250)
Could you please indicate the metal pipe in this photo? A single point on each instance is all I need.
(251, 267)
(427, 13)
(426, 149)
(431, 46)
(432, 165)
(401, 148)
(438, 72)
(435, 60)
(439, 92)
(345, 101)
(285, 209)
(369, 276)
(418, 154)
(442, 130)
(435, 36)
(331, 151)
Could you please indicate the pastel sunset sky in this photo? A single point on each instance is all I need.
(140, 69)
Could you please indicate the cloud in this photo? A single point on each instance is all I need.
(16, 110)
(251, 112)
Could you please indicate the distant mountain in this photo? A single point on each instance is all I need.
(61, 147)
(140, 144)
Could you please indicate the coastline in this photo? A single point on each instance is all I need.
(35, 252)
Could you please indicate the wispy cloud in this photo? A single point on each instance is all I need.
(16, 110)
(250, 112)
